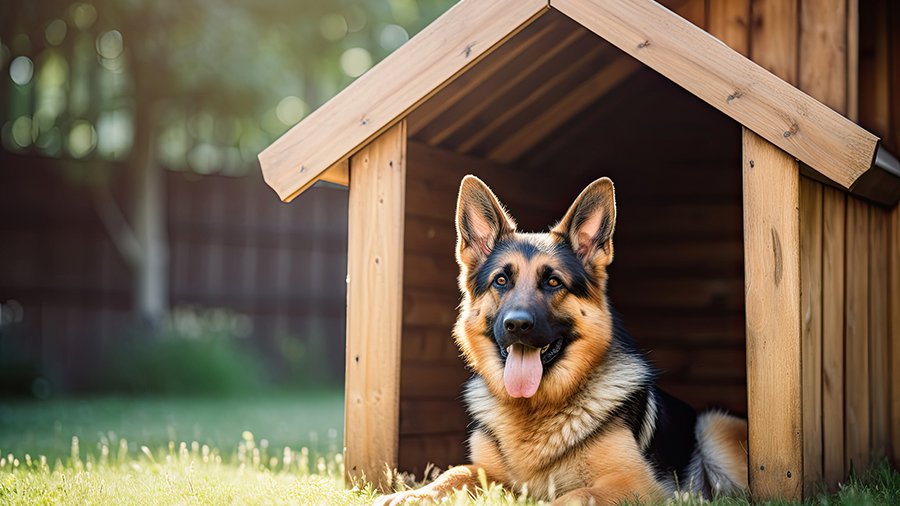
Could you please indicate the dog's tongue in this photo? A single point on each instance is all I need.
(523, 370)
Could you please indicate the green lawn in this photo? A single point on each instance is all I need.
(269, 449)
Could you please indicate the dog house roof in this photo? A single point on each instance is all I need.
(536, 32)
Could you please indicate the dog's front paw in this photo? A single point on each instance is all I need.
(578, 497)
(422, 495)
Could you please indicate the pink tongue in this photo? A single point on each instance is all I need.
(522, 375)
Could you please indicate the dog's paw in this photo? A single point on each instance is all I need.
(417, 496)
(578, 497)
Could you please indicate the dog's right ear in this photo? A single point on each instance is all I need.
(481, 222)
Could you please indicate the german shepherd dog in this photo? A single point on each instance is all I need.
(562, 401)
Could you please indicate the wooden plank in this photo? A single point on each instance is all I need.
(442, 450)
(786, 117)
(772, 277)
(465, 34)
(822, 73)
(773, 32)
(374, 305)
(879, 351)
(857, 429)
(894, 312)
(823, 52)
(833, 243)
(811, 306)
(729, 22)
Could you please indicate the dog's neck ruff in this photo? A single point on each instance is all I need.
(585, 414)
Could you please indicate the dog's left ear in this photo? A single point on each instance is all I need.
(589, 223)
(481, 222)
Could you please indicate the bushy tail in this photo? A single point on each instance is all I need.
(722, 441)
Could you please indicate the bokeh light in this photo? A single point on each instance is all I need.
(21, 70)
(56, 32)
(83, 15)
(333, 26)
(110, 44)
(22, 131)
(356, 61)
(82, 139)
(392, 36)
(291, 110)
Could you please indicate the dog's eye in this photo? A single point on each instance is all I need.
(500, 280)
(554, 282)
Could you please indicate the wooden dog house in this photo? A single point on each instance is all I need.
(757, 241)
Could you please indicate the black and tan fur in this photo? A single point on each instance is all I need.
(597, 430)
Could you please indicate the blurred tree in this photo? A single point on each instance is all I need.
(198, 85)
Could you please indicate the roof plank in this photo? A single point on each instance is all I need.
(798, 124)
(468, 32)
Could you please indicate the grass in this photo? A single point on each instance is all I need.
(211, 451)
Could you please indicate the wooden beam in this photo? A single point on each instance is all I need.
(781, 114)
(464, 35)
(338, 173)
(772, 285)
(374, 306)
(833, 244)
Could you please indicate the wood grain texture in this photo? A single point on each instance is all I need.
(730, 22)
(857, 428)
(773, 32)
(786, 117)
(879, 352)
(822, 62)
(773, 308)
(374, 305)
(823, 58)
(811, 306)
(457, 40)
(833, 244)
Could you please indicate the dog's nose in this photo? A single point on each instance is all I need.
(518, 322)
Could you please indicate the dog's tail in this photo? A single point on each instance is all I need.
(722, 443)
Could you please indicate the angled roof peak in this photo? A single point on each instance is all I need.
(829, 143)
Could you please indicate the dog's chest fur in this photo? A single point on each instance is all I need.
(542, 445)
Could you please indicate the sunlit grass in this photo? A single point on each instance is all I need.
(230, 462)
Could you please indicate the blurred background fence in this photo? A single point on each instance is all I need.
(140, 251)
(277, 271)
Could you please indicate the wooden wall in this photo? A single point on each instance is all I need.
(838, 52)
(677, 279)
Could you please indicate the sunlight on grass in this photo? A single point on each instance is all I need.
(179, 473)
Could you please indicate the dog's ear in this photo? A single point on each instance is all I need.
(481, 222)
(589, 223)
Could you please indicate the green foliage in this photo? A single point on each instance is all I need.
(196, 352)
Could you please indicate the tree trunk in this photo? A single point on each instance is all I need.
(151, 272)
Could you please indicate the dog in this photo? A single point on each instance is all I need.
(562, 400)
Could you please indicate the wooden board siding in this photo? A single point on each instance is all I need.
(857, 429)
(822, 63)
(894, 315)
(833, 266)
(879, 351)
(374, 306)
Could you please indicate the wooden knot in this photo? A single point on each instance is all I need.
(644, 44)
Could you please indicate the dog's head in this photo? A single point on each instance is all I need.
(534, 319)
